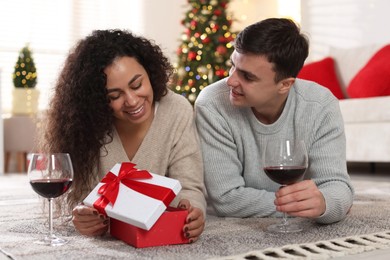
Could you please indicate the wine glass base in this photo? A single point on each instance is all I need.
(281, 228)
(51, 241)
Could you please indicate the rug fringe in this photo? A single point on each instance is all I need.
(319, 250)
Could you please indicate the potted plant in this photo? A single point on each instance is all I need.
(25, 95)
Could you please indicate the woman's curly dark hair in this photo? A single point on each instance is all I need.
(79, 119)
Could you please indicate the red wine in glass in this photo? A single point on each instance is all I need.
(285, 175)
(50, 176)
(51, 188)
(285, 162)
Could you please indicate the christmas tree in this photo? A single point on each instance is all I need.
(25, 75)
(204, 53)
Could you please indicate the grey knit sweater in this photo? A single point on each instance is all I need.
(232, 141)
(170, 148)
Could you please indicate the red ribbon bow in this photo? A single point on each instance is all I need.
(128, 176)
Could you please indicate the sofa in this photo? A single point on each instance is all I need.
(360, 78)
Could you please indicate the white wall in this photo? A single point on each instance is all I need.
(161, 22)
(246, 12)
(344, 23)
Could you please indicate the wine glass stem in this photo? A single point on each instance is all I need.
(285, 219)
(51, 217)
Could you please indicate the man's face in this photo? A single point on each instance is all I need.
(251, 81)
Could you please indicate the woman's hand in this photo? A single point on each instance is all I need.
(88, 221)
(301, 199)
(195, 221)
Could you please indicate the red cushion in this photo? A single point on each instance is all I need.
(323, 73)
(374, 78)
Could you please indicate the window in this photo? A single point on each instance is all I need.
(51, 28)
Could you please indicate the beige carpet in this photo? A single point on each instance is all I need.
(22, 222)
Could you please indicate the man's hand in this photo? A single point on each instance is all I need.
(301, 199)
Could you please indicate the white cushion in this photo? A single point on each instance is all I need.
(349, 61)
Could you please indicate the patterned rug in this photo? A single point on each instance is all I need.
(366, 228)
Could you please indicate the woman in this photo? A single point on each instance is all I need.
(111, 104)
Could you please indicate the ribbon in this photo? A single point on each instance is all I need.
(128, 176)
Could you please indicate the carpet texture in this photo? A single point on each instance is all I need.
(22, 221)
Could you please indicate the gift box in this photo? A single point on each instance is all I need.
(168, 230)
(133, 196)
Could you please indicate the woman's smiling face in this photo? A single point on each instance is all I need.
(129, 90)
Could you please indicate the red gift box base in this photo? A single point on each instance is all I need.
(168, 230)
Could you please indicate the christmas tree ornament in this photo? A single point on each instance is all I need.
(222, 50)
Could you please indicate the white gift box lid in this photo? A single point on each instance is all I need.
(133, 207)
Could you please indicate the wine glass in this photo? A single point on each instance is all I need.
(50, 176)
(285, 162)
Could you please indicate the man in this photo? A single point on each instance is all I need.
(262, 100)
